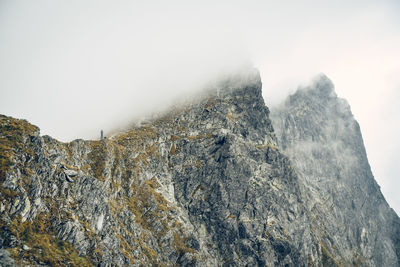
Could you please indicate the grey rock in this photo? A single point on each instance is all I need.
(5, 259)
(319, 134)
(208, 183)
(71, 173)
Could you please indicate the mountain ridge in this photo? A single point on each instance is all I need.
(209, 184)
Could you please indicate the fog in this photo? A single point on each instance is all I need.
(75, 67)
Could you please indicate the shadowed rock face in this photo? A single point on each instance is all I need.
(206, 184)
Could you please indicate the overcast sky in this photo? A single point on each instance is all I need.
(75, 67)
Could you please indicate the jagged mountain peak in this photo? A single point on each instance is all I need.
(323, 85)
(319, 134)
(207, 184)
(243, 84)
(320, 89)
(244, 77)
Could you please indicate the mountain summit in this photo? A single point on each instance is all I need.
(207, 184)
(319, 134)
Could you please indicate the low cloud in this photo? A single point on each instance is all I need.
(75, 67)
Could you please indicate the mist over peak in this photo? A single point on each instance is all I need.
(324, 85)
(76, 67)
(290, 187)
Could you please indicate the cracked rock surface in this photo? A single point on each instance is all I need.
(208, 183)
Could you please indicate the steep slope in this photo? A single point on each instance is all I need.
(205, 184)
(317, 131)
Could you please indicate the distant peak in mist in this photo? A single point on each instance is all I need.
(320, 84)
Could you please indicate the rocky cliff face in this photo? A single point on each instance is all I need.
(207, 184)
(318, 133)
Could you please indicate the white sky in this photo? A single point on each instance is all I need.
(75, 67)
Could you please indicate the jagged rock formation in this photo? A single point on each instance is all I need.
(317, 131)
(207, 184)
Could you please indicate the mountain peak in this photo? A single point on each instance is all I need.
(320, 136)
(244, 81)
(323, 85)
(207, 184)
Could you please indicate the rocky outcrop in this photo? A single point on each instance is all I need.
(319, 134)
(206, 184)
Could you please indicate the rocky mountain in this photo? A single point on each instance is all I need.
(207, 184)
(319, 134)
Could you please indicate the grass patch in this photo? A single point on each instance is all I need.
(97, 158)
(44, 246)
(327, 259)
(136, 137)
(12, 141)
